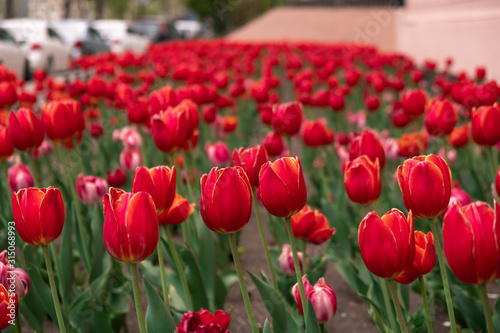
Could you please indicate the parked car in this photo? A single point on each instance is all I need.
(81, 37)
(44, 47)
(120, 36)
(189, 29)
(156, 30)
(12, 55)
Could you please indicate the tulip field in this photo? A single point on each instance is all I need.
(125, 191)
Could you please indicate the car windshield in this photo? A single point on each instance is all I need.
(25, 30)
(146, 28)
(70, 31)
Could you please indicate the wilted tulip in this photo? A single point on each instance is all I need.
(441, 118)
(13, 276)
(316, 134)
(471, 237)
(90, 189)
(311, 226)
(178, 212)
(282, 187)
(226, 199)
(413, 102)
(425, 182)
(159, 182)
(322, 297)
(287, 118)
(387, 244)
(20, 177)
(362, 180)
(130, 225)
(367, 144)
(425, 258)
(39, 214)
(25, 129)
(251, 160)
(484, 125)
(286, 260)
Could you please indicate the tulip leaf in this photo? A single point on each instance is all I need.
(66, 261)
(469, 308)
(79, 238)
(267, 327)
(207, 257)
(158, 318)
(35, 322)
(312, 325)
(97, 242)
(496, 316)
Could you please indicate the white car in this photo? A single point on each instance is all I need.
(44, 48)
(120, 37)
(12, 55)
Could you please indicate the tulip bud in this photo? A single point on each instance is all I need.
(12, 275)
(311, 226)
(471, 237)
(316, 134)
(130, 225)
(441, 118)
(209, 113)
(178, 212)
(39, 214)
(367, 144)
(425, 258)
(286, 260)
(159, 182)
(282, 186)
(484, 125)
(130, 159)
(413, 102)
(20, 177)
(459, 137)
(273, 142)
(6, 304)
(251, 160)
(217, 153)
(362, 180)
(287, 118)
(226, 199)
(90, 189)
(117, 178)
(425, 182)
(6, 146)
(387, 244)
(25, 129)
(229, 124)
(322, 297)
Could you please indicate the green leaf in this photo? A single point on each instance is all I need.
(66, 261)
(267, 327)
(496, 316)
(207, 258)
(79, 238)
(312, 325)
(470, 309)
(158, 318)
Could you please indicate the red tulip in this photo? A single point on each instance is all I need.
(322, 297)
(130, 225)
(412, 144)
(137, 111)
(161, 100)
(20, 177)
(8, 307)
(425, 182)
(159, 182)
(459, 137)
(90, 189)
(413, 102)
(6, 146)
(311, 226)
(226, 199)
(471, 236)
(171, 129)
(209, 113)
(286, 260)
(251, 160)
(372, 103)
(117, 178)
(367, 144)
(63, 120)
(441, 118)
(316, 134)
(203, 321)
(178, 212)
(387, 244)
(458, 196)
(484, 125)
(38, 214)
(229, 124)
(362, 180)
(425, 258)
(13, 276)
(282, 187)
(337, 102)
(287, 118)
(217, 153)
(25, 129)
(96, 86)
(8, 94)
(273, 142)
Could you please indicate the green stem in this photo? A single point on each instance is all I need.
(289, 141)
(243, 286)
(423, 292)
(296, 263)
(137, 298)
(493, 165)
(53, 289)
(303, 244)
(444, 275)
(395, 300)
(164, 285)
(57, 264)
(322, 328)
(387, 303)
(188, 181)
(180, 269)
(17, 324)
(264, 243)
(34, 169)
(490, 328)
